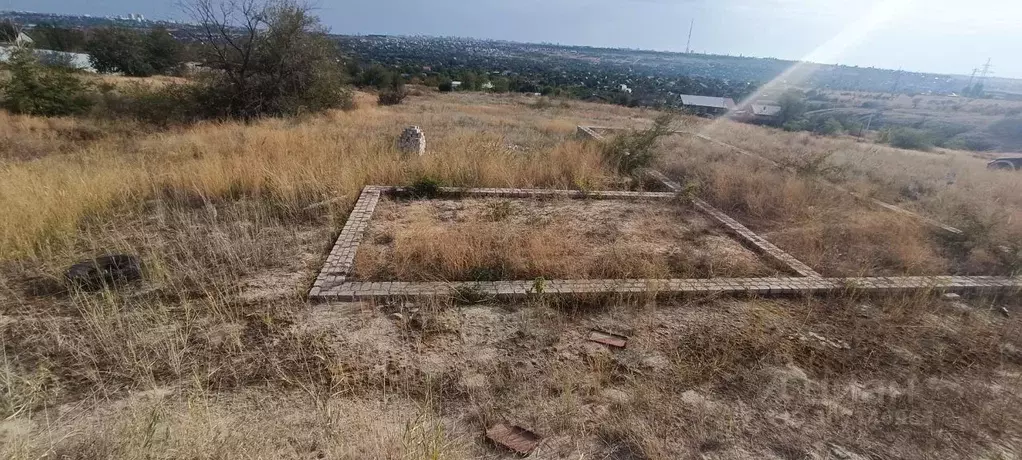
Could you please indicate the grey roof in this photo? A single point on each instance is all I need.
(707, 101)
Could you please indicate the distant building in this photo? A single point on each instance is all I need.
(487, 86)
(761, 111)
(709, 105)
(765, 110)
(625, 89)
(455, 84)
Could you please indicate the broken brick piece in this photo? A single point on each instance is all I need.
(513, 437)
(606, 338)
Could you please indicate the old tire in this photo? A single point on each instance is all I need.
(107, 270)
(1002, 165)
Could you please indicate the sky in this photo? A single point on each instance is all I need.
(941, 36)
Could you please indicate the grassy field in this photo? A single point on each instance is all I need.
(987, 125)
(216, 354)
(843, 236)
(551, 239)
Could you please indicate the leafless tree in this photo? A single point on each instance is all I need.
(269, 57)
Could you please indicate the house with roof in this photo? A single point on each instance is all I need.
(760, 111)
(707, 105)
(766, 110)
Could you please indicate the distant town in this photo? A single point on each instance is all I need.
(636, 77)
(794, 95)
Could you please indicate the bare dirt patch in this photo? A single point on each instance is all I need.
(714, 378)
(495, 239)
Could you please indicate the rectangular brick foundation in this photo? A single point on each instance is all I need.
(334, 283)
(511, 290)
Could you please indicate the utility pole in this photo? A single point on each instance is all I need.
(897, 81)
(986, 71)
(688, 46)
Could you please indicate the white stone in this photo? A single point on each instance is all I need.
(412, 140)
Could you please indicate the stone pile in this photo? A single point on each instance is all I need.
(412, 140)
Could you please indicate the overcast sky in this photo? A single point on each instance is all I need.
(945, 36)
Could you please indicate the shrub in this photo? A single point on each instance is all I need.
(392, 96)
(810, 162)
(446, 86)
(1008, 127)
(796, 125)
(426, 187)
(830, 127)
(541, 103)
(974, 141)
(36, 90)
(793, 106)
(632, 151)
(379, 77)
(909, 138)
(164, 106)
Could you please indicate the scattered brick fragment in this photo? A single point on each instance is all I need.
(516, 438)
(606, 338)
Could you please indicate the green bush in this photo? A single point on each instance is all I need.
(36, 90)
(1009, 128)
(446, 86)
(830, 127)
(909, 138)
(796, 125)
(793, 106)
(164, 106)
(632, 151)
(426, 187)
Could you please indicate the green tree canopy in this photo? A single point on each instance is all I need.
(50, 37)
(119, 50)
(162, 52)
(793, 106)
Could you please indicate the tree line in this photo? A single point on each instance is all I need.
(260, 58)
(132, 52)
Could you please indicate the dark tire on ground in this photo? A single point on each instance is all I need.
(107, 270)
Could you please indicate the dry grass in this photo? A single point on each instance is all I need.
(948, 185)
(217, 354)
(558, 239)
(832, 231)
(231, 221)
(286, 165)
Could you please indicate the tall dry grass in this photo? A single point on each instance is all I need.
(286, 165)
(217, 354)
(490, 240)
(951, 186)
(231, 221)
(839, 234)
